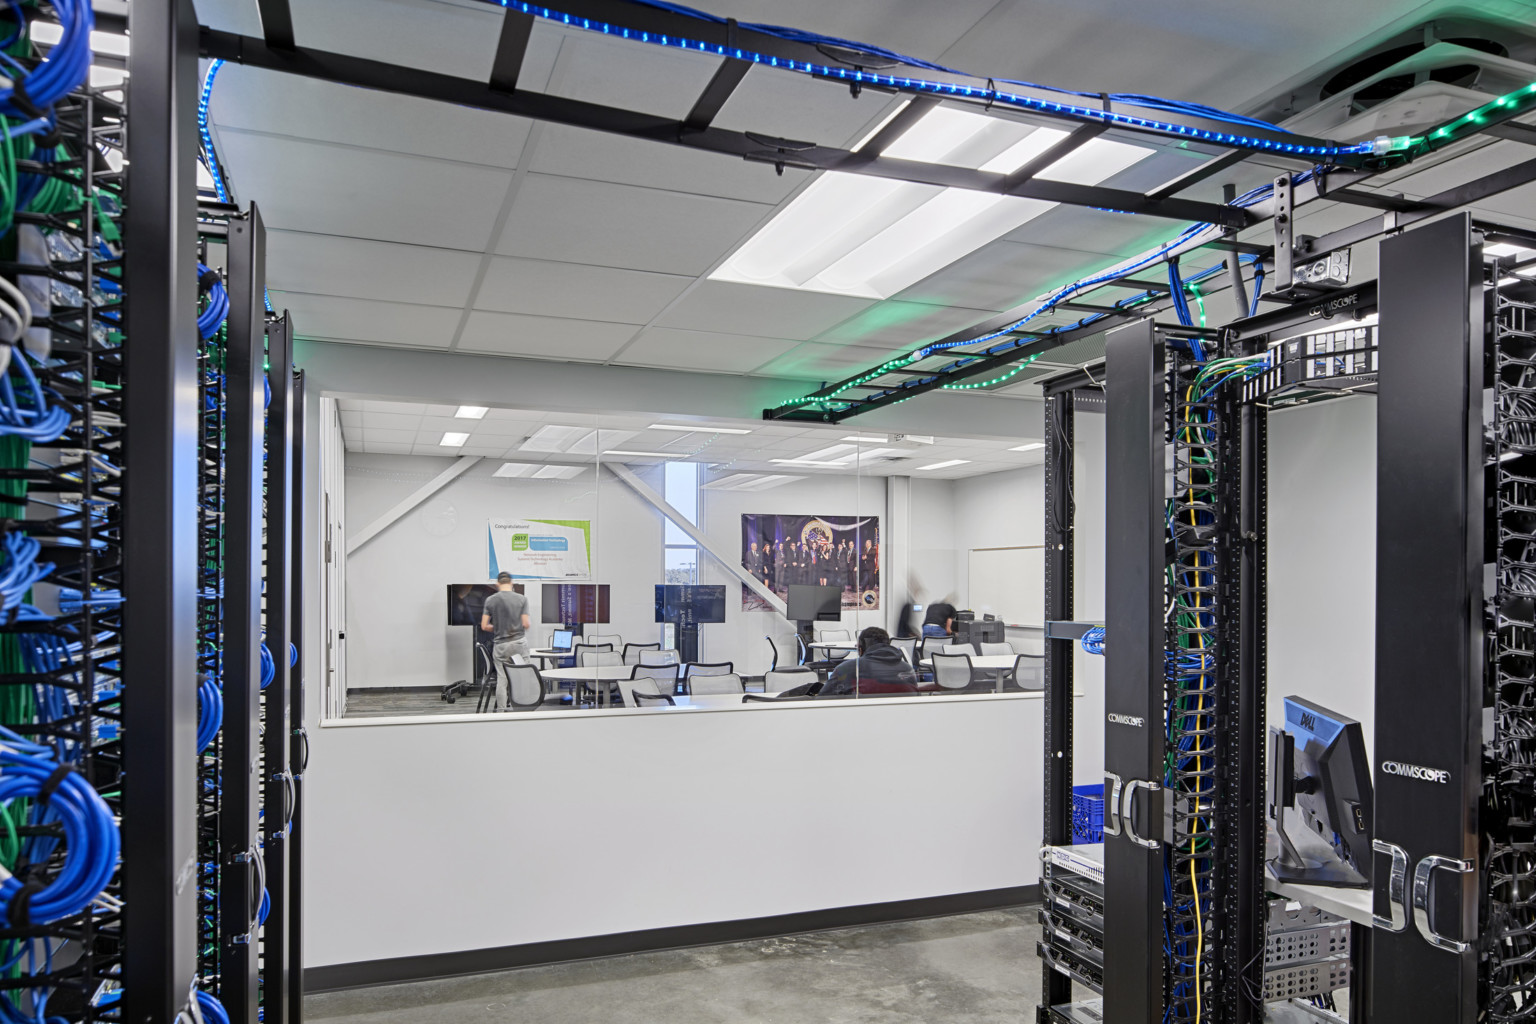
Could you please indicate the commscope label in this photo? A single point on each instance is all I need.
(1119, 719)
(1415, 771)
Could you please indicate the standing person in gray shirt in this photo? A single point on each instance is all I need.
(506, 618)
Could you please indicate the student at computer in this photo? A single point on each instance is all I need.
(506, 618)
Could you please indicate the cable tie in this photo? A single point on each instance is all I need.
(53, 782)
(991, 93)
(18, 910)
(21, 101)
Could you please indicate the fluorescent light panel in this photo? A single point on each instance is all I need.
(1028, 447)
(588, 445)
(853, 235)
(552, 437)
(750, 481)
(557, 472)
(871, 438)
(684, 428)
(471, 412)
(809, 462)
(646, 455)
(516, 469)
(453, 439)
(946, 465)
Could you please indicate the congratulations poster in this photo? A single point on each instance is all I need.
(541, 549)
(828, 551)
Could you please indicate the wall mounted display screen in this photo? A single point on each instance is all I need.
(466, 601)
(816, 551)
(690, 603)
(809, 603)
(541, 549)
(574, 602)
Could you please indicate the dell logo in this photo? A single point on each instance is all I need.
(1309, 721)
(1120, 719)
(1415, 771)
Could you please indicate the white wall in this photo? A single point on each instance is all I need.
(1322, 558)
(428, 838)
(937, 554)
(997, 510)
(397, 631)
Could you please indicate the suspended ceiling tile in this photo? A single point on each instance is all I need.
(542, 336)
(794, 106)
(382, 323)
(623, 226)
(700, 350)
(255, 99)
(629, 74)
(901, 325)
(448, 38)
(376, 421)
(1003, 275)
(1080, 229)
(760, 311)
(907, 26)
(601, 156)
(816, 362)
(368, 270)
(364, 193)
(544, 288)
(390, 436)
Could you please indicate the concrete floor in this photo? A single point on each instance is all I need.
(969, 969)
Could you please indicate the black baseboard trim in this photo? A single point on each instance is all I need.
(480, 961)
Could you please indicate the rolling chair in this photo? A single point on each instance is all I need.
(908, 648)
(633, 652)
(1028, 673)
(952, 672)
(613, 641)
(994, 649)
(646, 683)
(777, 680)
(695, 668)
(715, 682)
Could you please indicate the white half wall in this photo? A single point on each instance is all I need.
(431, 838)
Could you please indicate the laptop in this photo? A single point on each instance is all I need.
(561, 640)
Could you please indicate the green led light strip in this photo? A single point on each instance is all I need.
(988, 383)
(1502, 108)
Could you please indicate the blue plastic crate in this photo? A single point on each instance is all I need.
(1087, 814)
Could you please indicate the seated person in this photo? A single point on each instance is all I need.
(878, 668)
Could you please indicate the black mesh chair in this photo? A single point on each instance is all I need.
(778, 680)
(642, 699)
(952, 672)
(696, 668)
(525, 687)
(661, 680)
(1028, 673)
(632, 652)
(487, 673)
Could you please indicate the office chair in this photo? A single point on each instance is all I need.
(525, 687)
(992, 650)
(632, 652)
(487, 673)
(958, 649)
(659, 658)
(579, 649)
(643, 685)
(613, 640)
(694, 668)
(835, 634)
(664, 676)
(908, 648)
(952, 671)
(1030, 666)
(591, 659)
(777, 680)
(775, 649)
(721, 682)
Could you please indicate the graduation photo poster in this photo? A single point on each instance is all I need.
(829, 551)
(541, 549)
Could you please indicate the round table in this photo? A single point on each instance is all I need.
(835, 645)
(550, 654)
(995, 665)
(592, 674)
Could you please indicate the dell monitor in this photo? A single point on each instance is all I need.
(811, 603)
(690, 603)
(574, 603)
(466, 601)
(1320, 798)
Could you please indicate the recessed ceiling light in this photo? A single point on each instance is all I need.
(872, 438)
(750, 481)
(552, 437)
(557, 472)
(852, 235)
(684, 428)
(830, 453)
(471, 412)
(588, 444)
(516, 469)
(1028, 447)
(809, 462)
(1502, 249)
(645, 455)
(453, 439)
(946, 465)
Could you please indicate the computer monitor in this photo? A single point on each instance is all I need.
(574, 603)
(1320, 798)
(466, 601)
(810, 603)
(678, 603)
(562, 639)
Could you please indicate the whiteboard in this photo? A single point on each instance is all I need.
(1009, 583)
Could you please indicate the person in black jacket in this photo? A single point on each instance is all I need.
(878, 669)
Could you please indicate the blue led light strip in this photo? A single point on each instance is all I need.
(921, 85)
(209, 153)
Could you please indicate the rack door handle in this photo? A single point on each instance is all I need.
(1128, 811)
(1112, 805)
(1423, 895)
(1397, 888)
